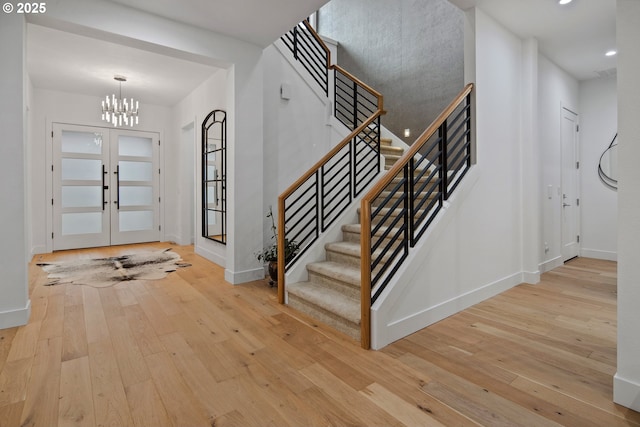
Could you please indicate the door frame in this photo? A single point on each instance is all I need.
(49, 177)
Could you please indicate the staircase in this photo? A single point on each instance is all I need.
(396, 211)
(332, 293)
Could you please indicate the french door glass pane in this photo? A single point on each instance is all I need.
(81, 170)
(81, 196)
(135, 220)
(136, 196)
(214, 224)
(212, 217)
(212, 172)
(136, 171)
(135, 146)
(212, 195)
(82, 223)
(81, 142)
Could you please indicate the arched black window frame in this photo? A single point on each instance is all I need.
(219, 181)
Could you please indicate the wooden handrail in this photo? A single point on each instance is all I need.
(365, 213)
(416, 146)
(360, 83)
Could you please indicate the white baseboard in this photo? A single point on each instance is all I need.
(598, 254)
(626, 392)
(550, 264)
(210, 255)
(395, 330)
(38, 249)
(172, 238)
(233, 277)
(13, 318)
(531, 277)
(238, 277)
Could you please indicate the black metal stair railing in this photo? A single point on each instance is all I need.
(310, 51)
(312, 203)
(398, 210)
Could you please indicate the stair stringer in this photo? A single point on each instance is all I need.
(390, 318)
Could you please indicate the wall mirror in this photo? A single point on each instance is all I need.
(608, 165)
(214, 176)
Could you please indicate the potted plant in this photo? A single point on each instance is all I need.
(269, 254)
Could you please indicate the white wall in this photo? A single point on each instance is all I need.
(63, 107)
(210, 95)
(476, 249)
(297, 131)
(14, 303)
(626, 386)
(556, 89)
(598, 125)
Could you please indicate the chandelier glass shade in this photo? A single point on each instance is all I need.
(120, 111)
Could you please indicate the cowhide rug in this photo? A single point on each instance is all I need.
(105, 272)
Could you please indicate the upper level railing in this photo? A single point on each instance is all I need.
(309, 49)
(396, 212)
(312, 203)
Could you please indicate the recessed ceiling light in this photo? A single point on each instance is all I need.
(564, 1)
(611, 53)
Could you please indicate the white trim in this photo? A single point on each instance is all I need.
(626, 392)
(173, 239)
(550, 264)
(13, 318)
(531, 277)
(38, 249)
(598, 254)
(383, 335)
(238, 277)
(210, 255)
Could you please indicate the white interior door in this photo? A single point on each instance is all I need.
(105, 187)
(570, 186)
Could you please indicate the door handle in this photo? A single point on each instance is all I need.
(117, 173)
(564, 205)
(104, 187)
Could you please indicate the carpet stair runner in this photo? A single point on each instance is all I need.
(332, 293)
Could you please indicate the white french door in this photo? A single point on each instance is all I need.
(105, 187)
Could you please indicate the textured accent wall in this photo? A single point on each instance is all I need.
(409, 50)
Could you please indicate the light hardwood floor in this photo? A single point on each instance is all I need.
(192, 350)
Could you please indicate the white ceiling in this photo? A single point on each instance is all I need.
(72, 63)
(259, 22)
(68, 62)
(574, 36)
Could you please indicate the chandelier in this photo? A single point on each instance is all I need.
(120, 111)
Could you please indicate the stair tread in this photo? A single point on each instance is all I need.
(357, 228)
(327, 299)
(336, 270)
(391, 150)
(344, 247)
